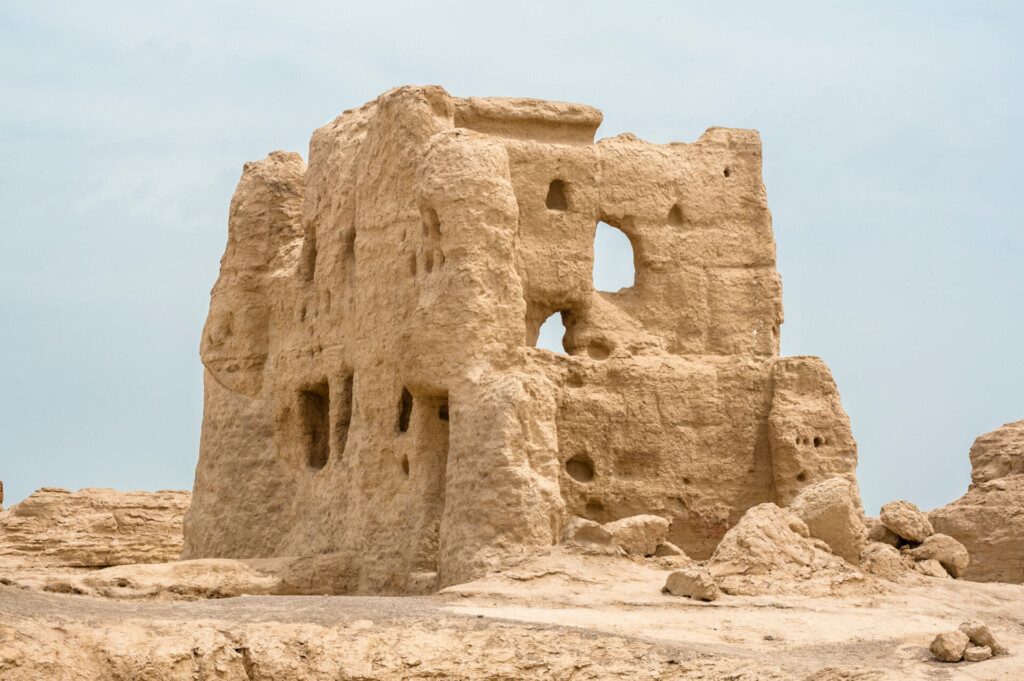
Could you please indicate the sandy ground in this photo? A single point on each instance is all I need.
(552, 617)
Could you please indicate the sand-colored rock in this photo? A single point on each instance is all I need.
(831, 509)
(977, 653)
(950, 646)
(769, 551)
(989, 519)
(883, 560)
(981, 635)
(692, 582)
(667, 548)
(587, 534)
(906, 520)
(877, 532)
(930, 567)
(94, 527)
(950, 553)
(370, 360)
(638, 535)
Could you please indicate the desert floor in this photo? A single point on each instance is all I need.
(565, 617)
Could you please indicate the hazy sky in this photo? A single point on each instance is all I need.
(893, 158)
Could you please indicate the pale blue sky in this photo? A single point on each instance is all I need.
(892, 156)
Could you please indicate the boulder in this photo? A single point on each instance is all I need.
(768, 551)
(586, 533)
(882, 560)
(906, 520)
(638, 535)
(989, 519)
(950, 646)
(943, 548)
(832, 514)
(931, 568)
(877, 532)
(981, 635)
(666, 549)
(94, 527)
(693, 582)
(977, 653)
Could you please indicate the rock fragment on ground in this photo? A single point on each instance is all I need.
(832, 514)
(943, 548)
(972, 642)
(666, 549)
(981, 635)
(587, 534)
(883, 560)
(931, 568)
(638, 535)
(693, 582)
(768, 551)
(950, 646)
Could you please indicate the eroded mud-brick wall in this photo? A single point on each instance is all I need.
(372, 385)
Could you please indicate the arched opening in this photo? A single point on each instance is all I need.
(613, 259)
(552, 334)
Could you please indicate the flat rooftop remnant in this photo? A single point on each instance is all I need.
(372, 386)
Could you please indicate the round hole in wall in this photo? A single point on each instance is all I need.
(727, 172)
(405, 465)
(801, 476)
(598, 350)
(798, 440)
(579, 470)
(818, 441)
(593, 509)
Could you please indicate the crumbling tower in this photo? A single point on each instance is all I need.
(372, 386)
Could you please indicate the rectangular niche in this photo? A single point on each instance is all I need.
(314, 406)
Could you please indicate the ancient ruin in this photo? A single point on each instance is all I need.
(372, 386)
(989, 518)
(665, 499)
